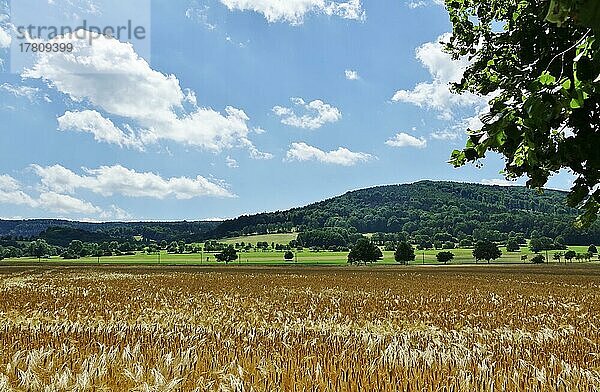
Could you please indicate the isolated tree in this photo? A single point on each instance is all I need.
(570, 255)
(96, 252)
(364, 251)
(592, 249)
(486, 250)
(444, 257)
(512, 245)
(76, 248)
(538, 72)
(39, 248)
(289, 255)
(228, 255)
(538, 259)
(405, 253)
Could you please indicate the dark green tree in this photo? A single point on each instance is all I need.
(405, 253)
(486, 250)
(76, 248)
(541, 243)
(228, 255)
(96, 251)
(289, 255)
(512, 245)
(570, 255)
(364, 252)
(540, 70)
(592, 249)
(538, 259)
(444, 257)
(39, 248)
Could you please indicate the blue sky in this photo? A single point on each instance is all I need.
(229, 107)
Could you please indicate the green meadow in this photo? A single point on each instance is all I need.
(428, 257)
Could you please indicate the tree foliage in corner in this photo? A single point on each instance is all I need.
(539, 62)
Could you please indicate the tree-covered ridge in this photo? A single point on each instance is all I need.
(61, 232)
(428, 208)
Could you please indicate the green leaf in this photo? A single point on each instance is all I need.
(546, 79)
(576, 104)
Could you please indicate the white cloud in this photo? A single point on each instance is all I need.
(405, 140)
(318, 113)
(342, 156)
(448, 134)
(65, 204)
(31, 93)
(232, 163)
(436, 94)
(412, 4)
(118, 180)
(460, 128)
(116, 213)
(103, 129)
(352, 75)
(111, 76)
(294, 11)
(259, 155)
(5, 38)
(11, 192)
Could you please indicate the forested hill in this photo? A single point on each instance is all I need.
(60, 232)
(421, 210)
(428, 208)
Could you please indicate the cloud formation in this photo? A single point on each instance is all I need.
(5, 38)
(405, 140)
(303, 152)
(110, 76)
(351, 75)
(316, 114)
(118, 180)
(12, 193)
(294, 11)
(90, 121)
(436, 95)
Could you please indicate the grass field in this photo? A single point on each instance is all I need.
(463, 328)
(462, 256)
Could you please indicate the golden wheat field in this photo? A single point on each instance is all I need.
(524, 328)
